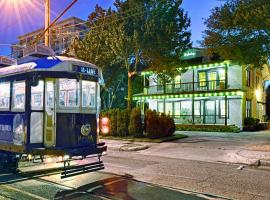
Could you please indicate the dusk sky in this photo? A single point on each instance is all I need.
(28, 15)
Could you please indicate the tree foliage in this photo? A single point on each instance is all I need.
(135, 34)
(240, 30)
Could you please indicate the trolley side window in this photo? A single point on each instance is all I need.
(18, 97)
(4, 95)
(69, 93)
(88, 94)
(37, 96)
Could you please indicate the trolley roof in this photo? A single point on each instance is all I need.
(55, 63)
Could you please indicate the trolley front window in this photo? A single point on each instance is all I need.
(18, 96)
(4, 95)
(69, 93)
(88, 94)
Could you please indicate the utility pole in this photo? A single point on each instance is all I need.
(47, 22)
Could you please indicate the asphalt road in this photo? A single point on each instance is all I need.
(97, 186)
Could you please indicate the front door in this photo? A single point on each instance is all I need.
(210, 112)
(50, 114)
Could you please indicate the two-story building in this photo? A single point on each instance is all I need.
(207, 91)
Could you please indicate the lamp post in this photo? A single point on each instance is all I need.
(47, 22)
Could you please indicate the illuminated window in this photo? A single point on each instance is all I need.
(18, 96)
(248, 78)
(202, 79)
(197, 108)
(186, 108)
(222, 109)
(248, 108)
(88, 94)
(177, 81)
(37, 96)
(169, 108)
(69, 93)
(4, 95)
(161, 107)
(221, 73)
(177, 108)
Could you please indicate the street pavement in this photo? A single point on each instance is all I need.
(203, 166)
(96, 186)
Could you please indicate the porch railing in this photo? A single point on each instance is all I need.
(186, 87)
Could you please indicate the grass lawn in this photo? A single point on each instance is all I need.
(144, 139)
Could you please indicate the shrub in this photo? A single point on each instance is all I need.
(123, 122)
(207, 128)
(158, 125)
(252, 124)
(250, 121)
(135, 127)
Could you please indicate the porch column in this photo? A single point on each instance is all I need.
(226, 98)
(226, 110)
(193, 80)
(193, 121)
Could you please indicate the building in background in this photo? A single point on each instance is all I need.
(207, 91)
(62, 36)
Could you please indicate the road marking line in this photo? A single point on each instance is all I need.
(24, 192)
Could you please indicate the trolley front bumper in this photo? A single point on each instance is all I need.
(86, 150)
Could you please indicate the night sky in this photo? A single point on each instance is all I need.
(29, 16)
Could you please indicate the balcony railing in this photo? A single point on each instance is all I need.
(186, 87)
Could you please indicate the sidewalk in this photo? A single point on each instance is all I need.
(194, 149)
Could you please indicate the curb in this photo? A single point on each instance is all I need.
(264, 163)
(133, 148)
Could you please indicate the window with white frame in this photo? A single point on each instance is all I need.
(18, 97)
(88, 94)
(4, 95)
(69, 93)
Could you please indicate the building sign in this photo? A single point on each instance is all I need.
(191, 53)
(86, 70)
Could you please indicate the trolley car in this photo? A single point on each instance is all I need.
(50, 106)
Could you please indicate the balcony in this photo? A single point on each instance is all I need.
(186, 87)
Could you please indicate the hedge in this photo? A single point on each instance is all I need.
(207, 128)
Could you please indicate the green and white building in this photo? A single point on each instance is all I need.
(207, 92)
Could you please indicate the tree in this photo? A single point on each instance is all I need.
(240, 30)
(137, 33)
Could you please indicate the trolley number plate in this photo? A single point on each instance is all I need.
(86, 70)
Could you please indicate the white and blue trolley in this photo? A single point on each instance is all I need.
(50, 106)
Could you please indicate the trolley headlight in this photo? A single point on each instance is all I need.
(105, 125)
(29, 157)
(66, 157)
(86, 129)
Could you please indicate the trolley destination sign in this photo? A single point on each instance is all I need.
(86, 70)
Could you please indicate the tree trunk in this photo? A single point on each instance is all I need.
(129, 99)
